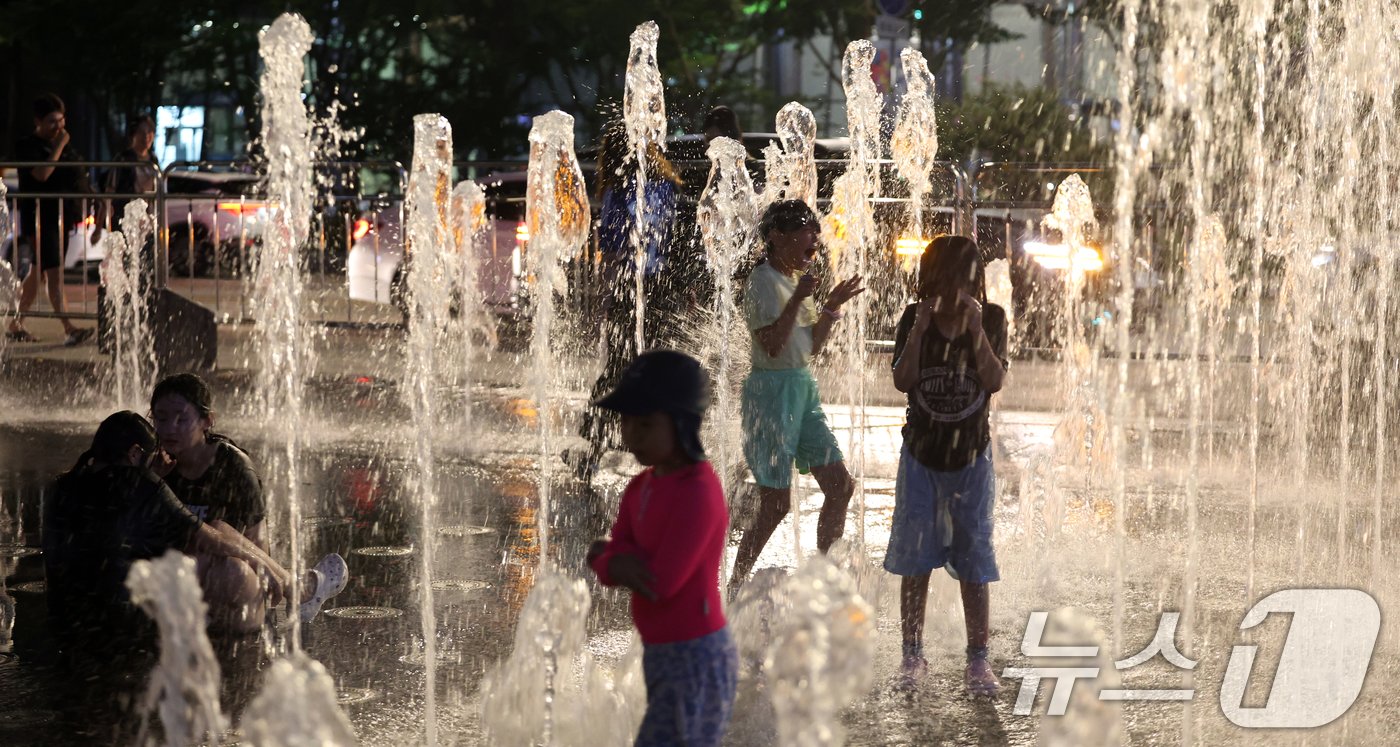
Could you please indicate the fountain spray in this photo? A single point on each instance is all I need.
(185, 682)
(557, 213)
(791, 170)
(914, 143)
(852, 206)
(822, 654)
(429, 298)
(727, 215)
(284, 344)
(644, 111)
(129, 277)
(297, 708)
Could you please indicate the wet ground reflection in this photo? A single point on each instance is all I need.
(1055, 549)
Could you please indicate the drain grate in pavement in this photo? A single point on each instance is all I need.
(443, 657)
(355, 695)
(383, 551)
(464, 530)
(326, 522)
(459, 585)
(364, 613)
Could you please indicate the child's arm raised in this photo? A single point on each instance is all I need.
(774, 337)
(989, 354)
(831, 310)
(909, 347)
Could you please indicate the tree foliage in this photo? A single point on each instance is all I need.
(488, 65)
(1016, 123)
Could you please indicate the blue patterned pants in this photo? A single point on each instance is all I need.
(690, 691)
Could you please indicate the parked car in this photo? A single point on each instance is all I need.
(214, 219)
(377, 267)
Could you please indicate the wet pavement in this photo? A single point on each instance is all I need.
(1058, 544)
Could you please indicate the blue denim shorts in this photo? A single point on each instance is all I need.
(943, 519)
(690, 690)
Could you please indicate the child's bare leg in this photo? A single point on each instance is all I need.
(28, 291)
(838, 487)
(979, 677)
(913, 602)
(53, 282)
(976, 599)
(234, 594)
(773, 505)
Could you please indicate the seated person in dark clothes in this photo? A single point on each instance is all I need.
(212, 476)
(109, 511)
(216, 481)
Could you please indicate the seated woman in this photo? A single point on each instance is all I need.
(216, 481)
(111, 510)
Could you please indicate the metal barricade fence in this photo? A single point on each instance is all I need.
(209, 220)
(65, 224)
(213, 217)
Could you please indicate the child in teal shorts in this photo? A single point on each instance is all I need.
(780, 408)
(949, 357)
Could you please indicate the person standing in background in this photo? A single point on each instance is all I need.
(44, 223)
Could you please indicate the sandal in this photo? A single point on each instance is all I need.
(77, 336)
(911, 671)
(20, 335)
(981, 681)
(331, 575)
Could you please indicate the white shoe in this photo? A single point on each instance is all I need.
(331, 575)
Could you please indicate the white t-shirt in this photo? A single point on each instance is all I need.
(765, 296)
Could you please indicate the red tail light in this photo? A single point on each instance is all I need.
(241, 208)
(362, 227)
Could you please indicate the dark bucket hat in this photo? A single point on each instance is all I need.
(665, 381)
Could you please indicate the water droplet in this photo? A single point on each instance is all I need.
(459, 585)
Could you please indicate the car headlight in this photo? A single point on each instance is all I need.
(910, 246)
(1057, 256)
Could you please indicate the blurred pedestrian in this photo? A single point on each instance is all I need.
(722, 122)
(139, 178)
(664, 296)
(44, 223)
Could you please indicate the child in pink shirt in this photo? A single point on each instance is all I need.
(666, 546)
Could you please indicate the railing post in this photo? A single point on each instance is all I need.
(161, 240)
